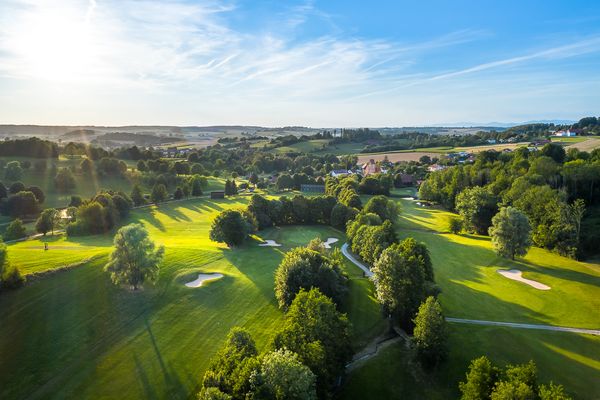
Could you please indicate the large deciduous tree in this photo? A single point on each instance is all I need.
(400, 283)
(319, 334)
(303, 268)
(230, 228)
(510, 232)
(282, 376)
(135, 258)
(430, 333)
(477, 206)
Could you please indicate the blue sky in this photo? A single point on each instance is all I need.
(313, 63)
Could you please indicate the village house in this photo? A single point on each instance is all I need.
(370, 168)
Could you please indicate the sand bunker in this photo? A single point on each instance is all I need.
(270, 243)
(517, 275)
(203, 278)
(329, 242)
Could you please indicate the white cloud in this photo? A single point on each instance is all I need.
(180, 62)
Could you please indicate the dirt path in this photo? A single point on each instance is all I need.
(595, 332)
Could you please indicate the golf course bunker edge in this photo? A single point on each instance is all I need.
(202, 278)
(517, 275)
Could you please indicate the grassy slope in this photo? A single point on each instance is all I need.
(74, 333)
(465, 268)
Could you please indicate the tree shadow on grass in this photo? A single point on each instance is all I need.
(174, 385)
(174, 213)
(150, 217)
(258, 264)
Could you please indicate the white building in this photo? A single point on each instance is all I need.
(566, 133)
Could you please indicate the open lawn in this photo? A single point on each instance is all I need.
(74, 334)
(466, 265)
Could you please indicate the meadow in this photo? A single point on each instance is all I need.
(73, 333)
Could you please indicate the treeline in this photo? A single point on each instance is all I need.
(486, 381)
(31, 147)
(545, 185)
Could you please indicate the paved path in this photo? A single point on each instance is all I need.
(354, 261)
(595, 332)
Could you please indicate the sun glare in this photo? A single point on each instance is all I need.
(56, 43)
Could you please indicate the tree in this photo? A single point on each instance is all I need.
(319, 334)
(554, 151)
(382, 206)
(282, 376)
(22, 204)
(159, 193)
(553, 392)
(400, 284)
(430, 333)
(38, 193)
(285, 182)
(303, 268)
(3, 191)
(481, 378)
(576, 212)
(87, 166)
(141, 166)
(10, 276)
(178, 195)
(13, 171)
(47, 221)
(510, 232)
(212, 393)
(229, 227)
(231, 368)
(513, 391)
(477, 206)
(16, 187)
(135, 258)
(454, 225)
(137, 196)
(15, 230)
(253, 178)
(196, 186)
(64, 180)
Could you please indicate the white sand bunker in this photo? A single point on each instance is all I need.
(329, 242)
(203, 278)
(517, 275)
(270, 243)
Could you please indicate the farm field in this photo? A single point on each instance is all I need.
(74, 332)
(587, 144)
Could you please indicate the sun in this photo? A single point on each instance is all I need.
(55, 43)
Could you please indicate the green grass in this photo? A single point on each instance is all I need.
(466, 270)
(75, 334)
(561, 357)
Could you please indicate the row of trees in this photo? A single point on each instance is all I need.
(99, 214)
(485, 381)
(10, 277)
